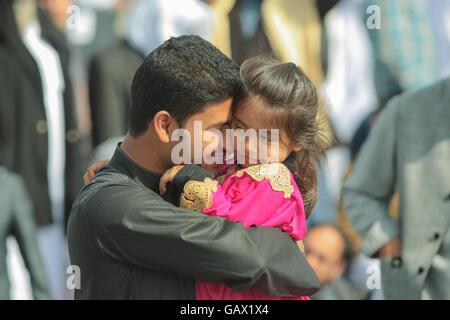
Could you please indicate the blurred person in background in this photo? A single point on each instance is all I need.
(349, 83)
(111, 70)
(407, 150)
(412, 47)
(93, 25)
(294, 31)
(329, 253)
(16, 220)
(221, 34)
(357, 272)
(248, 37)
(323, 8)
(39, 121)
(348, 89)
(412, 37)
(154, 21)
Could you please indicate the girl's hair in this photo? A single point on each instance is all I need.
(291, 103)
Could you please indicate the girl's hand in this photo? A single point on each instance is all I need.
(167, 177)
(92, 171)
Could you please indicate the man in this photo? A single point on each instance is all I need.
(329, 254)
(128, 242)
(408, 149)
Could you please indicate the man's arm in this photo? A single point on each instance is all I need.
(369, 189)
(148, 232)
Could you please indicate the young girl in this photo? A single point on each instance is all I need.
(275, 96)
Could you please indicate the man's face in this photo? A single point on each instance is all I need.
(212, 120)
(324, 249)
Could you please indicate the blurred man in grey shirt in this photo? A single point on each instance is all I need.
(408, 149)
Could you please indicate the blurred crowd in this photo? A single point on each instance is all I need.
(66, 69)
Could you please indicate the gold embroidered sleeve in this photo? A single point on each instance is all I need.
(277, 173)
(221, 178)
(301, 246)
(198, 195)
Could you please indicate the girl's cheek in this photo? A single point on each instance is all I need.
(252, 151)
(265, 153)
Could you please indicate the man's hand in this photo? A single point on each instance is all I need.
(213, 168)
(92, 171)
(392, 249)
(167, 177)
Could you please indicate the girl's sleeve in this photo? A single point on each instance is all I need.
(263, 195)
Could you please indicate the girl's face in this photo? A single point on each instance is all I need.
(256, 142)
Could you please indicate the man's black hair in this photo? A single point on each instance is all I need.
(181, 76)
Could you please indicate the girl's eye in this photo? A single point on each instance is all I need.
(265, 138)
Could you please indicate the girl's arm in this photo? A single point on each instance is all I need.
(264, 195)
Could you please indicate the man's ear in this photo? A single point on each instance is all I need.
(164, 124)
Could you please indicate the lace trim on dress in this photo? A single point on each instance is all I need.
(278, 174)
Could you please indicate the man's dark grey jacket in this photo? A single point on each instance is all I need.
(130, 243)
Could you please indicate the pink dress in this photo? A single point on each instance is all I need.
(263, 195)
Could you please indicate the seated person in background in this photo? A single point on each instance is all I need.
(328, 252)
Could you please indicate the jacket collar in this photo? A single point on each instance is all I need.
(123, 163)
